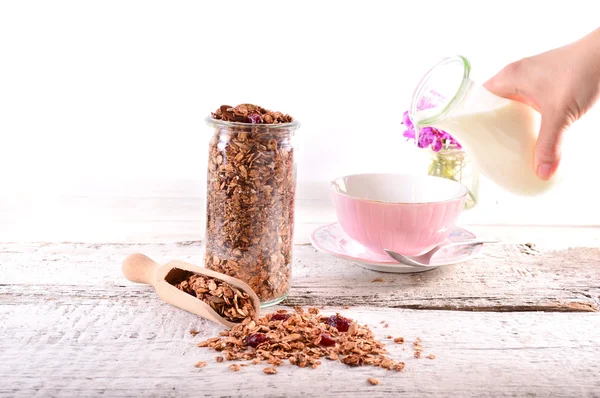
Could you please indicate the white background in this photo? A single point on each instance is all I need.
(97, 92)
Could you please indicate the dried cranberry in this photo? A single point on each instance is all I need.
(326, 340)
(255, 118)
(339, 322)
(256, 339)
(280, 317)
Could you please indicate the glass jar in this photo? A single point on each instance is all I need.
(498, 134)
(250, 198)
(455, 165)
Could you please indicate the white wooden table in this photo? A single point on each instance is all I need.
(519, 320)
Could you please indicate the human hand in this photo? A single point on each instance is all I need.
(562, 84)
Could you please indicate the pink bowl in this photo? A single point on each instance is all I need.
(408, 214)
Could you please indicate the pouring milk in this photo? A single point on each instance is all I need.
(498, 134)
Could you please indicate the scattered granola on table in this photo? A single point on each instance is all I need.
(373, 381)
(302, 339)
(417, 346)
(250, 198)
(227, 301)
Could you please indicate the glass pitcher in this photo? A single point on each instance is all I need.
(498, 134)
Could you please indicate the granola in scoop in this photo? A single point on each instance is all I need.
(227, 301)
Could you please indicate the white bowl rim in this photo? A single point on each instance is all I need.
(332, 186)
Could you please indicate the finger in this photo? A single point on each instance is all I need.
(549, 142)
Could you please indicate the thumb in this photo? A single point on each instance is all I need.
(504, 84)
(548, 147)
(511, 83)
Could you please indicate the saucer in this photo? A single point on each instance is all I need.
(333, 240)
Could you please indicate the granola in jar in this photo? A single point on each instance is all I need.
(250, 198)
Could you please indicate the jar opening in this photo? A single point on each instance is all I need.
(281, 126)
(441, 89)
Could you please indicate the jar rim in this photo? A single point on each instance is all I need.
(281, 126)
(452, 151)
(456, 99)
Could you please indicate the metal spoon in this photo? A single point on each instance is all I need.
(457, 250)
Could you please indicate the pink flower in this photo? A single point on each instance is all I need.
(428, 136)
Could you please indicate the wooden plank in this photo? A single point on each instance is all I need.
(115, 345)
(503, 278)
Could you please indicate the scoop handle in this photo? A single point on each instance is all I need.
(139, 268)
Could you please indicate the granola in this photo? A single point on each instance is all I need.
(373, 381)
(250, 198)
(302, 339)
(249, 113)
(227, 301)
(417, 346)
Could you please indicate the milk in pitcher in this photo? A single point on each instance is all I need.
(498, 134)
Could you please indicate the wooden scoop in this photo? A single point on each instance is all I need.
(139, 268)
